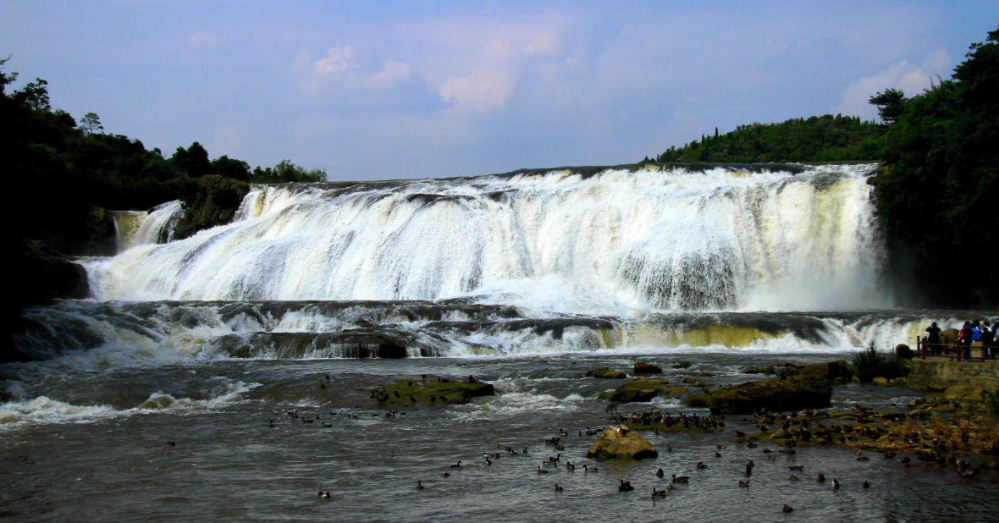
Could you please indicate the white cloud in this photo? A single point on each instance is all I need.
(903, 75)
(391, 73)
(342, 69)
(337, 60)
(500, 63)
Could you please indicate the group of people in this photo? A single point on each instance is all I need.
(972, 335)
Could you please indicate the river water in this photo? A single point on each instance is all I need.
(194, 441)
(227, 376)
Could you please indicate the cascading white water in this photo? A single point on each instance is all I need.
(721, 239)
(144, 227)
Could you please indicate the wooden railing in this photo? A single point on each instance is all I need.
(953, 349)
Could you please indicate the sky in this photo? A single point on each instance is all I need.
(400, 89)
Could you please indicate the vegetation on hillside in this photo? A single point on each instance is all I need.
(938, 192)
(817, 139)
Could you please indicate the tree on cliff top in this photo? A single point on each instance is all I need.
(937, 189)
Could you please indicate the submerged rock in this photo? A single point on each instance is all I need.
(622, 442)
(436, 391)
(642, 389)
(773, 395)
(606, 373)
(838, 371)
(642, 367)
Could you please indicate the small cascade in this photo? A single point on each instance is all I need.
(145, 227)
(126, 225)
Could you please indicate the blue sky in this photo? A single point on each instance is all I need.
(376, 90)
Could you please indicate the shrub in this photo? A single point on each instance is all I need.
(870, 364)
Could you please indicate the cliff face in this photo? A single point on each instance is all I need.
(215, 203)
(956, 379)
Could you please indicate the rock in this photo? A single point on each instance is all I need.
(775, 395)
(642, 389)
(899, 381)
(881, 380)
(432, 391)
(215, 203)
(949, 335)
(101, 235)
(682, 365)
(606, 373)
(769, 370)
(838, 371)
(939, 375)
(690, 380)
(965, 393)
(621, 442)
(646, 368)
(903, 351)
(46, 275)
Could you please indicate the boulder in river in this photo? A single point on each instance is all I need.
(774, 395)
(432, 391)
(642, 389)
(642, 367)
(606, 373)
(622, 442)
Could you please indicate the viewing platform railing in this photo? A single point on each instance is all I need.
(954, 349)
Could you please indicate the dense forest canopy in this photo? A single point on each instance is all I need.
(817, 139)
(938, 187)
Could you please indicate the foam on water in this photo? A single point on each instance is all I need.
(45, 410)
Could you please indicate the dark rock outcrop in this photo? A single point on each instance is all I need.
(432, 391)
(642, 389)
(798, 392)
(642, 367)
(215, 203)
(606, 373)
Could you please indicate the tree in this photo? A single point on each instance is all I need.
(34, 95)
(231, 168)
(890, 104)
(193, 160)
(935, 192)
(91, 124)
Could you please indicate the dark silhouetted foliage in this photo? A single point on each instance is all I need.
(937, 189)
(817, 139)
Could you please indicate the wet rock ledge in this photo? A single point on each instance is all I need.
(432, 391)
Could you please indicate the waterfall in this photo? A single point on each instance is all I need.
(725, 238)
(144, 227)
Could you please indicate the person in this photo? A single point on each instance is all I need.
(994, 349)
(987, 340)
(976, 338)
(964, 341)
(933, 339)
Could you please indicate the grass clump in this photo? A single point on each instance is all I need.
(871, 364)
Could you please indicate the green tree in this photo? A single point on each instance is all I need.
(936, 191)
(890, 104)
(193, 160)
(91, 124)
(231, 168)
